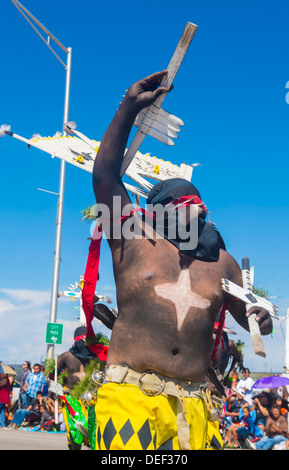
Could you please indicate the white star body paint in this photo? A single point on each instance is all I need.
(181, 294)
(81, 372)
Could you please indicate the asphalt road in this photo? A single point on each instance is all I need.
(11, 439)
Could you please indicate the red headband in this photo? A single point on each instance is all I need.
(182, 201)
(78, 338)
(188, 200)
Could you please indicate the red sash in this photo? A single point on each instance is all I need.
(88, 293)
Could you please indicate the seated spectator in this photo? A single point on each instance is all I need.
(47, 420)
(241, 429)
(276, 429)
(242, 401)
(283, 404)
(32, 412)
(232, 408)
(245, 385)
(261, 405)
(50, 403)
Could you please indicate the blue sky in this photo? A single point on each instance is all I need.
(231, 94)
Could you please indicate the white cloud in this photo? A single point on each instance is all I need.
(6, 306)
(274, 346)
(26, 297)
(23, 318)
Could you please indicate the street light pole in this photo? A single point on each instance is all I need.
(59, 220)
(287, 342)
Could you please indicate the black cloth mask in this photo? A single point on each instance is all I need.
(82, 352)
(209, 239)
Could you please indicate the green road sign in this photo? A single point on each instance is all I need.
(54, 333)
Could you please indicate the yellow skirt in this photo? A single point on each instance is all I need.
(127, 419)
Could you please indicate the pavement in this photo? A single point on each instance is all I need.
(11, 439)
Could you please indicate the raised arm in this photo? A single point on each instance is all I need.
(263, 410)
(106, 173)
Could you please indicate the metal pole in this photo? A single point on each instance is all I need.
(56, 415)
(59, 219)
(286, 367)
(287, 341)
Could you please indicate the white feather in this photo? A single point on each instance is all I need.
(36, 136)
(3, 129)
(70, 124)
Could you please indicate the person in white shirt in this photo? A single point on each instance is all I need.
(245, 386)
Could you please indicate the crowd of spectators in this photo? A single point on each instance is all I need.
(254, 419)
(35, 407)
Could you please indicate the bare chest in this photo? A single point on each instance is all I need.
(176, 281)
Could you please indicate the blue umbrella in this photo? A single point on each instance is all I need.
(1, 370)
(273, 381)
